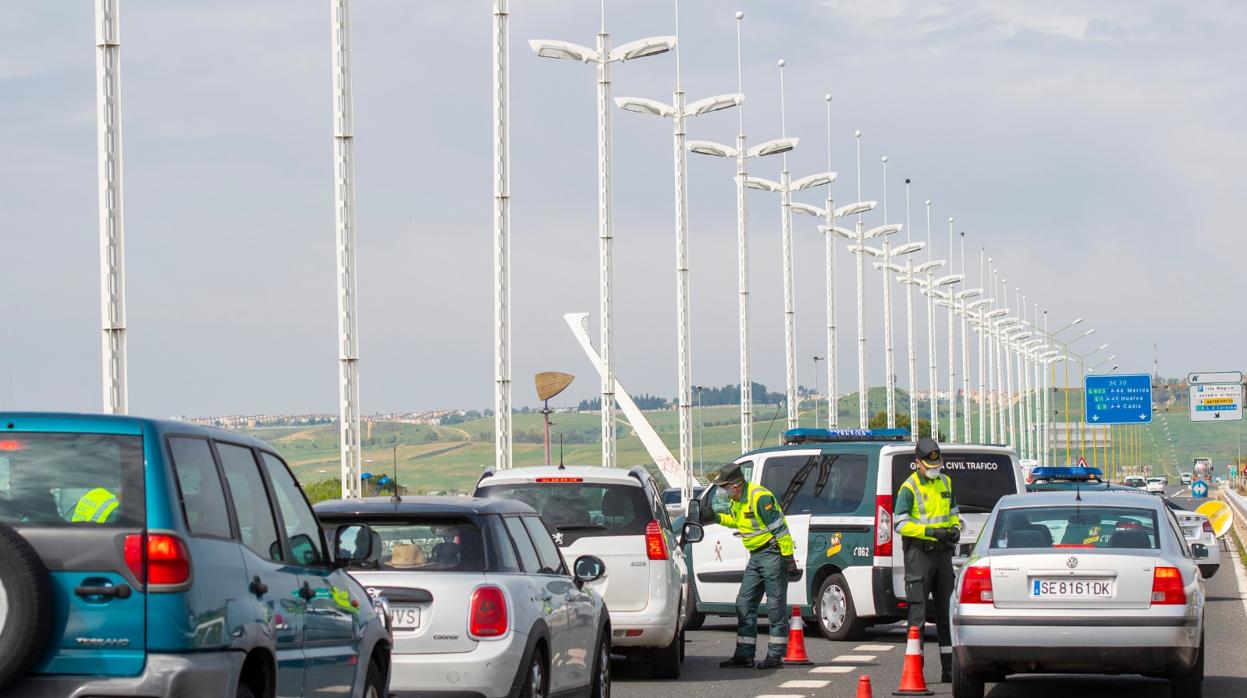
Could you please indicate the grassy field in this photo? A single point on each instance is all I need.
(451, 458)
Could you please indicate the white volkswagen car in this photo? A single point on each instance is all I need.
(480, 601)
(618, 516)
(1080, 582)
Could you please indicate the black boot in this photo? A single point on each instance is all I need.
(946, 669)
(771, 663)
(736, 662)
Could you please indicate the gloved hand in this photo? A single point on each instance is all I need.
(940, 533)
(707, 515)
(790, 567)
(954, 535)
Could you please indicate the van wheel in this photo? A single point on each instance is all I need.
(665, 662)
(25, 606)
(834, 612)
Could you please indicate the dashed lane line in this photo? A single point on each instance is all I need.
(873, 648)
(832, 669)
(782, 695)
(804, 683)
(855, 658)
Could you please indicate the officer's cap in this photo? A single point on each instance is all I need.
(728, 473)
(928, 449)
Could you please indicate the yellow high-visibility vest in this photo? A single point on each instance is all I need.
(95, 506)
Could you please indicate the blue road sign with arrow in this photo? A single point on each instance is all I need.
(1199, 489)
(1118, 399)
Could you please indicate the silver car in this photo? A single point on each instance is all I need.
(479, 598)
(1196, 528)
(1069, 582)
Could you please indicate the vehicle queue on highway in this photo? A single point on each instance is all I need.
(146, 557)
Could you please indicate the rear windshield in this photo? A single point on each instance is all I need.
(90, 480)
(581, 509)
(415, 545)
(979, 479)
(827, 484)
(1076, 527)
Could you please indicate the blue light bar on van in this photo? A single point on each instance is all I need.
(816, 436)
(1069, 473)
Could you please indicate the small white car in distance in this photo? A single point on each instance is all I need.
(1156, 485)
(480, 600)
(618, 516)
(1080, 582)
(1185, 478)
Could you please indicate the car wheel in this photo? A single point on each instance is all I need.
(244, 691)
(665, 662)
(966, 684)
(374, 682)
(602, 668)
(25, 606)
(535, 683)
(834, 612)
(1190, 684)
(696, 619)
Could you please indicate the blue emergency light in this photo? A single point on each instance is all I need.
(820, 436)
(1068, 473)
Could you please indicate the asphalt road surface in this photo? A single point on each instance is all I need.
(838, 665)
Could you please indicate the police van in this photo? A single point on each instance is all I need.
(836, 488)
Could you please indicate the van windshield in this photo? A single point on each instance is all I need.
(822, 485)
(49, 479)
(979, 479)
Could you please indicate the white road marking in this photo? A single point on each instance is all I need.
(782, 695)
(832, 669)
(873, 648)
(855, 658)
(804, 683)
(1241, 575)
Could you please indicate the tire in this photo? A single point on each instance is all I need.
(966, 684)
(1190, 684)
(665, 662)
(834, 612)
(536, 681)
(374, 681)
(25, 606)
(601, 685)
(696, 619)
(244, 691)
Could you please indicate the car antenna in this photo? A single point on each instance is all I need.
(395, 499)
(1077, 492)
(561, 466)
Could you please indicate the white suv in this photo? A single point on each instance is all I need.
(618, 516)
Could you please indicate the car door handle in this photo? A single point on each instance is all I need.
(119, 591)
(736, 533)
(306, 593)
(257, 587)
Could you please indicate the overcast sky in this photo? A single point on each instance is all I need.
(1094, 148)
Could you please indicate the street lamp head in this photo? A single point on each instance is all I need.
(1089, 332)
(566, 50)
(781, 63)
(827, 97)
(857, 134)
(907, 180)
(1075, 322)
(884, 159)
(928, 202)
(716, 103)
(712, 148)
(951, 219)
(641, 48)
(775, 147)
(814, 180)
(740, 15)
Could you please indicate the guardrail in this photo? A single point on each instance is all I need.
(1238, 502)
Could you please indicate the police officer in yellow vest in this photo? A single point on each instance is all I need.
(927, 520)
(95, 506)
(755, 513)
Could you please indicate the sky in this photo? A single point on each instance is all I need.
(1092, 149)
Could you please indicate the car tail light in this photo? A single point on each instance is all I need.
(1167, 587)
(165, 561)
(11, 445)
(655, 543)
(488, 614)
(883, 525)
(976, 585)
(1208, 526)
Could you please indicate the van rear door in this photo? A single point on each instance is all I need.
(77, 497)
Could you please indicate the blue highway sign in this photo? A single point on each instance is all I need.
(1118, 399)
(1199, 489)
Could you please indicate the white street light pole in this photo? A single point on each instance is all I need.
(678, 112)
(112, 230)
(344, 207)
(952, 371)
(888, 350)
(930, 287)
(502, 235)
(982, 338)
(910, 357)
(602, 57)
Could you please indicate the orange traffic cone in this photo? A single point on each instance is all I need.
(796, 641)
(863, 687)
(912, 681)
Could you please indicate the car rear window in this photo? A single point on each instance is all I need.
(1076, 527)
(428, 545)
(577, 510)
(65, 479)
(979, 479)
(827, 484)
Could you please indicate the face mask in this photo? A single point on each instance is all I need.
(932, 473)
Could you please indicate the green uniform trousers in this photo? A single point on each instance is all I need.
(764, 573)
(929, 573)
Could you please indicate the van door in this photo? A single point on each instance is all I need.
(719, 559)
(46, 477)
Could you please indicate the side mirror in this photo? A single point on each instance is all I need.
(694, 510)
(1199, 551)
(588, 568)
(692, 533)
(356, 545)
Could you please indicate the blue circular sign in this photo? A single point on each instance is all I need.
(1199, 488)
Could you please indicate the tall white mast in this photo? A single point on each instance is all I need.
(502, 236)
(112, 238)
(790, 302)
(829, 259)
(889, 354)
(344, 215)
(863, 401)
(952, 372)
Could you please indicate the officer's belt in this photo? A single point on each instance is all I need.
(929, 546)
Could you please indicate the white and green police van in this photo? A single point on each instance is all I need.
(836, 488)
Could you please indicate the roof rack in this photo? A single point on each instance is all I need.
(816, 436)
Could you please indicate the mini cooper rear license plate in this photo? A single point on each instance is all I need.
(405, 617)
(1072, 588)
(1189, 531)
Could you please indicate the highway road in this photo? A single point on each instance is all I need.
(838, 665)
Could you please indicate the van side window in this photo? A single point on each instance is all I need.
(829, 484)
(301, 529)
(199, 485)
(251, 504)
